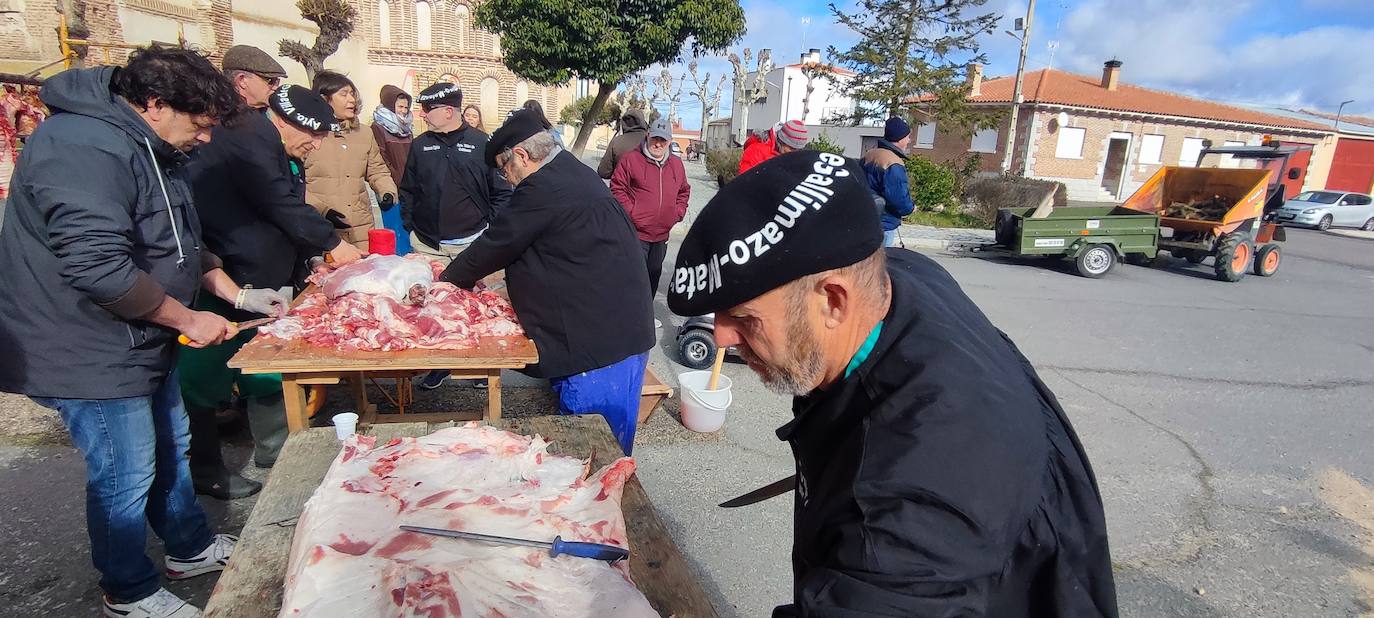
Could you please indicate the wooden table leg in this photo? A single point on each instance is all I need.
(494, 394)
(358, 381)
(293, 395)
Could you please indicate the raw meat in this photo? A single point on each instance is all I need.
(405, 279)
(349, 317)
(349, 558)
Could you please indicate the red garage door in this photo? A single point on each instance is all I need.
(1352, 168)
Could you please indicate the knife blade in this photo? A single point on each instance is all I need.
(776, 488)
(595, 551)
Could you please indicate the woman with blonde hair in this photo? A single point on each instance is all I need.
(338, 173)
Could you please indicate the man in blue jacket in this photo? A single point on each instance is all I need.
(886, 174)
(100, 257)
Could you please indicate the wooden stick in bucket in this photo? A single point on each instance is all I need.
(715, 370)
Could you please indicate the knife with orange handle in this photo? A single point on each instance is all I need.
(184, 340)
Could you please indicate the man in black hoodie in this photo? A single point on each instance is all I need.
(633, 130)
(936, 474)
(99, 258)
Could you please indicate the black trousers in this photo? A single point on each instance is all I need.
(654, 253)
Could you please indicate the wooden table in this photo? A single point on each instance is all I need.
(251, 586)
(301, 364)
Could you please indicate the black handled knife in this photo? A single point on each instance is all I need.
(776, 488)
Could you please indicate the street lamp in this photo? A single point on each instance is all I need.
(1338, 114)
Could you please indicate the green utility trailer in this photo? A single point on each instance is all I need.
(1095, 238)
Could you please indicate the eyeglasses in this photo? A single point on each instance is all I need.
(502, 160)
(272, 81)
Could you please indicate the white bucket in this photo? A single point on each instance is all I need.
(703, 410)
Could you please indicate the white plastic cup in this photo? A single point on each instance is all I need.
(703, 410)
(345, 424)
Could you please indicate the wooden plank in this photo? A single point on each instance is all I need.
(652, 394)
(293, 395)
(426, 417)
(251, 587)
(494, 395)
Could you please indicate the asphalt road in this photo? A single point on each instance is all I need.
(1227, 424)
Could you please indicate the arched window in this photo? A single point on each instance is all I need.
(489, 100)
(422, 25)
(464, 18)
(384, 22)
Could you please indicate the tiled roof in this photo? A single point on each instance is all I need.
(1058, 87)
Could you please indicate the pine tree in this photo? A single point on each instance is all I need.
(914, 50)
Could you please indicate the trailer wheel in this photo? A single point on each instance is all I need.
(1234, 253)
(1095, 261)
(1267, 260)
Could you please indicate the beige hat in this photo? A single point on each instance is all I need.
(253, 60)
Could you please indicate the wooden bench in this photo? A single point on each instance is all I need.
(652, 394)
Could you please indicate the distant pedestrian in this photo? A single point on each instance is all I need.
(885, 168)
(393, 127)
(338, 173)
(651, 184)
(784, 138)
(473, 116)
(633, 129)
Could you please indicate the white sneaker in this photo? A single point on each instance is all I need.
(214, 558)
(161, 604)
(658, 323)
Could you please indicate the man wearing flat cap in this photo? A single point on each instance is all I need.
(250, 194)
(575, 272)
(936, 474)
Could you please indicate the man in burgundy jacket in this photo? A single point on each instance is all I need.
(651, 184)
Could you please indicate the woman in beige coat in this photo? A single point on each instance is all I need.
(338, 172)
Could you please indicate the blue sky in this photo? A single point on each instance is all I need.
(1296, 53)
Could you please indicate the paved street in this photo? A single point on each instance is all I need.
(1228, 425)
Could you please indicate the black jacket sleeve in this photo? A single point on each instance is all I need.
(274, 196)
(502, 243)
(91, 228)
(410, 189)
(499, 191)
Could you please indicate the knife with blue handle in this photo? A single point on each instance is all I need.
(595, 551)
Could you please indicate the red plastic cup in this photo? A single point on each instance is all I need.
(381, 242)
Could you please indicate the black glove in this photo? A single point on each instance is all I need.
(388, 201)
(337, 219)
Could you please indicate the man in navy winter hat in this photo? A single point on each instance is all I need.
(936, 473)
(886, 173)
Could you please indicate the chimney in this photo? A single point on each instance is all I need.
(811, 57)
(1111, 73)
(975, 79)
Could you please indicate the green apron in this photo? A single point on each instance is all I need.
(206, 379)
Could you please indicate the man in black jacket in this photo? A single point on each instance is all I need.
(634, 129)
(250, 194)
(448, 195)
(936, 474)
(575, 272)
(99, 257)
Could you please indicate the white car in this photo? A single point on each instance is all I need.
(1323, 209)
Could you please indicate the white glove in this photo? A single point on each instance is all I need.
(266, 302)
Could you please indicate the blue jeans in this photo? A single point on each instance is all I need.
(611, 391)
(136, 475)
(890, 238)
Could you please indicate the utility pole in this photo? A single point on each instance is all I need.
(1016, 92)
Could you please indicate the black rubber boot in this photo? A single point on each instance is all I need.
(267, 420)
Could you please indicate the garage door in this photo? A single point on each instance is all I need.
(1352, 168)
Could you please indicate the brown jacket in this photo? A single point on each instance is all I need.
(336, 176)
(394, 149)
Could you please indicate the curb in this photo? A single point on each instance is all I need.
(1356, 234)
(940, 244)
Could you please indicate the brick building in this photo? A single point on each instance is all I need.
(1103, 138)
(409, 43)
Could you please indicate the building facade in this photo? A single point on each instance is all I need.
(408, 43)
(786, 98)
(1104, 138)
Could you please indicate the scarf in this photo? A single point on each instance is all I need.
(650, 156)
(394, 124)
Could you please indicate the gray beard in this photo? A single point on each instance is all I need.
(798, 373)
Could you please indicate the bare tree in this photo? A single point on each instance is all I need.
(335, 19)
(749, 92)
(663, 88)
(710, 99)
(813, 71)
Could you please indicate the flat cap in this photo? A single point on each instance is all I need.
(253, 60)
(519, 126)
(442, 93)
(794, 215)
(304, 108)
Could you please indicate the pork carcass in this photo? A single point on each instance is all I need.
(349, 557)
(405, 279)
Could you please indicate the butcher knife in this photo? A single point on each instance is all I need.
(595, 551)
(184, 340)
(776, 488)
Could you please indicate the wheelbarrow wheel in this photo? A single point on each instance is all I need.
(1267, 260)
(1095, 261)
(1234, 253)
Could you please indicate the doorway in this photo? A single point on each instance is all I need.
(1114, 167)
